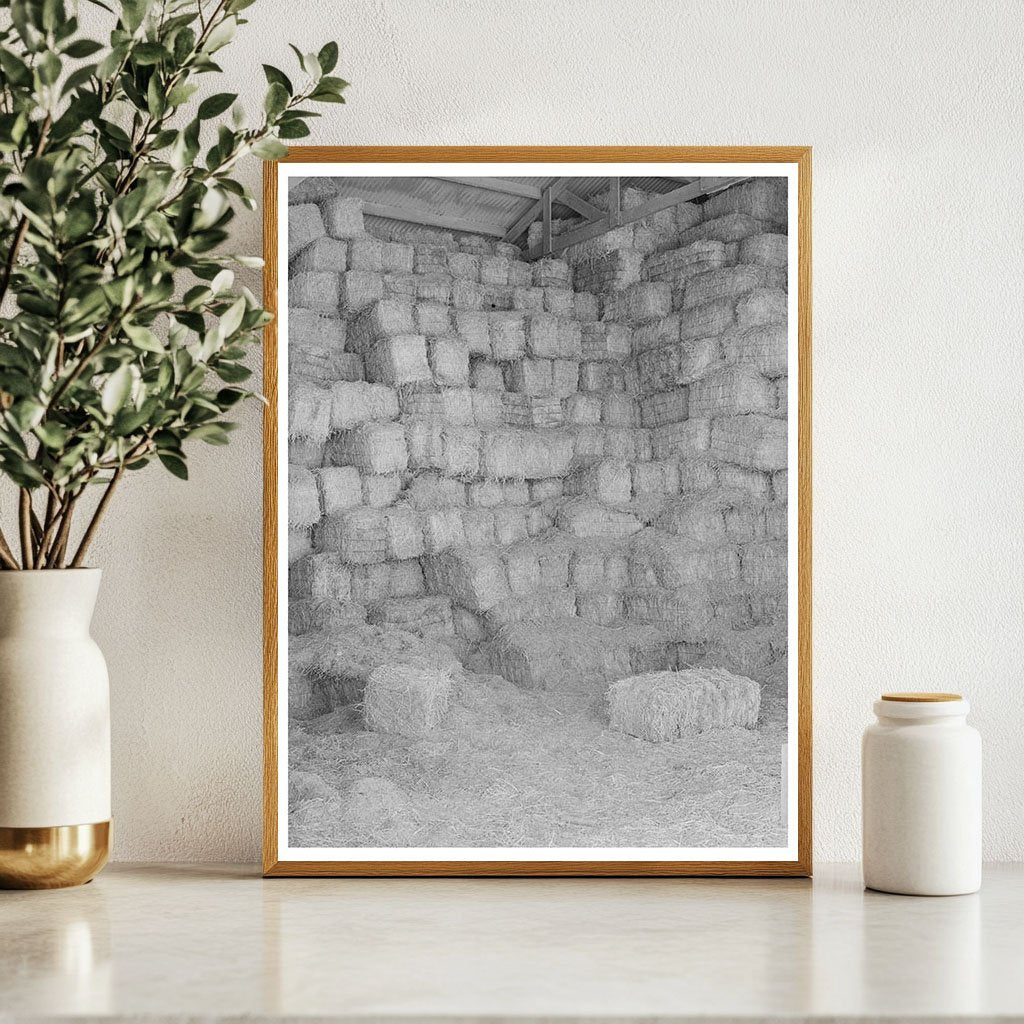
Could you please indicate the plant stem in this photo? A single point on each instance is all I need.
(94, 523)
(6, 554)
(60, 542)
(25, 524)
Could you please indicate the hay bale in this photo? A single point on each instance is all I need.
(732, 227)
(756, 442)
(461, 451)
(372, 447)
(383, 319)
(404, 531)
(400, 359)
(539, 606)
(340, 488)
(397, 258)
(781, 409)
(731, 391)
(549, 337)
(582, 409)
(358, 289)
(484, 494)
(639, 303)
(303, 498)
(549, 271)
(761, 198)
(661, 559)
(764, 347)
(545, 490)
(473, 327)
(442, 530)
(602, 607)
(619, 410)
(656, 334)
(317, 290)
(365, 253)
(585, 518)
(358, 536)
(532, 410)
(691, 437)
(565, 377)
(570, 653)
(451, 405)
(680, 614)
(769, 249)
(478, 525)
(320, 575)
(763, 306)
(488, 408)
(507, 332)
(427, 491)
(750, 483)
(449, 360)
(464, 266)
(305, 225)
(473, 578)
(306, 700)
(664, 407)
(425, 441)
(665, 706)
(343, 217)
(699, 519)
(309, 411)
(324, 254)
(323, 615)
(730, 282)
(432, 318)
(425, 616)
(485, 375)
(525, 454)
(355, 402)
(299, 543)
(380, 489)
(510, 526)
(708, 320)
(747, 652)
(605, 342)
(632, 444)
(766, 565)
(608, 481)
(586, 307)
(343, 660)
(528, 299)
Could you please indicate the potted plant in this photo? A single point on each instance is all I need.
(122, 342)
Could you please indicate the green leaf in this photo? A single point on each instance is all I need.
(232, 319)
(145, 54)
(278, 77)
(116, 390)
(221, 35)
(214, 105)
(174, 464)
(51, 434)
(211, 433)
(181, 94)
(82, 48)
(293, 130)
(233, 373)
(144, 338)
(276, 99)
(328, 57)
(269, 149)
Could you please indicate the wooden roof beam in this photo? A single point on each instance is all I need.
(431, 220)
(503, 185)
(696, 189)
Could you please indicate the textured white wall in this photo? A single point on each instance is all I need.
(913, 110)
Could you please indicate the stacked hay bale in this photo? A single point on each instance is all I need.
(475, 444)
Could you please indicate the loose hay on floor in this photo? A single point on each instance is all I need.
(405, 700)
(664, 706)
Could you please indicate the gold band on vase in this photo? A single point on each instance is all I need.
(52, 857)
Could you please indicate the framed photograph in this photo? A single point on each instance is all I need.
(538, 511)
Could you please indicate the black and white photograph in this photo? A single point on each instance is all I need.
(535, 453)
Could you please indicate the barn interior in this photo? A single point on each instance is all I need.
(537, 479)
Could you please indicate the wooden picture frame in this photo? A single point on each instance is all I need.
(796, 162)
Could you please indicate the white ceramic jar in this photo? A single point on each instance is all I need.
(921, 777)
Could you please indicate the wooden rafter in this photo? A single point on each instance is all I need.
(581, 206)
(431, 220)
(503, 185)
(696, 189)
(555, 189)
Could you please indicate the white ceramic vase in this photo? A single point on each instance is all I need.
(54, 731)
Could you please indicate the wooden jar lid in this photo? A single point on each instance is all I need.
(921, 698)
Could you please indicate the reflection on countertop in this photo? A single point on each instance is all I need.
(179, 941)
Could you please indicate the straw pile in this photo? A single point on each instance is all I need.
(406, 701)
(665, 706)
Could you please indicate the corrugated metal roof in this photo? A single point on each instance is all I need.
(395, 203)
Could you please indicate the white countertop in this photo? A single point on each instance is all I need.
(179, 941)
